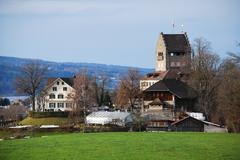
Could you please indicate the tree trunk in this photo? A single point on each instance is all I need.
(33, 102)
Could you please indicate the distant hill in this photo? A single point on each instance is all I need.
(10, 67)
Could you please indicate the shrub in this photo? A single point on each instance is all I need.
(48, 114)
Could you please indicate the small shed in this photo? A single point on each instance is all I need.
(188, 124)
(195, 125)
(104, 117)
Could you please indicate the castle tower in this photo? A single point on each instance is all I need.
(173, 51)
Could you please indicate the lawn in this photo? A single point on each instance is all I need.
(126, 145)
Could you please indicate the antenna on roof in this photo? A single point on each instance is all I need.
(173, 25)
(182, 28)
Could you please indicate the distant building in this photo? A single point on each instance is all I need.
(164, 100)
(191, 124)
(57, 95)
(173, 53)
(165, 93)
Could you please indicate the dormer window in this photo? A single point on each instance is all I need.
(160, 56)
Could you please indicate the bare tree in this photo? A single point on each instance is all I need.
(30, 80)
(84, 93)
(129, 89)
(235, 57)
(101, 90)
(204, 76)
(41, 100)
(229, 94)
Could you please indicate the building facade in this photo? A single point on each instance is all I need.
(173, 53)
(57, 95)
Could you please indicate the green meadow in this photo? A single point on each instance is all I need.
(124, 146)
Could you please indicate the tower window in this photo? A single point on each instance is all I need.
(172, 64)
(160, 56)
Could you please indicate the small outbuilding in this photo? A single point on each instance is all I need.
(105, 117)
(190, 124)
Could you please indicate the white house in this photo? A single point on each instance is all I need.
(58, 95)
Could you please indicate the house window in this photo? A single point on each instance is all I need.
(51, 105)
(60, 96)
(144, 84)
(60, 105)
(54, 88)
(68, 105)
(160, 56)
(62, 83)
(64, 88)
(172, 64)
(57, 83)
(52, 96)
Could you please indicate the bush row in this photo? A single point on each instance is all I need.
(47, 114)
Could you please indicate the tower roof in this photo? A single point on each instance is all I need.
(176, 42)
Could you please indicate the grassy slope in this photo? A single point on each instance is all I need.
(45, 121)
(106, 146)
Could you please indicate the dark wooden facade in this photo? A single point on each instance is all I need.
(159, 125)
(162, 95)
(188, 124)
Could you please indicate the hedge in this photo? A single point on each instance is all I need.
(47, 114)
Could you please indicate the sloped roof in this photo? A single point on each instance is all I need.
(176, 87)
(155, 75)
(189, 117)
(69, 81)
(112, 115)
(176, 42)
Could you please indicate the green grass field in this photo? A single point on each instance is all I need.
(108, 146)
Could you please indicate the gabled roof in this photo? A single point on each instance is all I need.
(113, 115)
(176, 87)
(189, 117)
(69, 81)
(176, 42)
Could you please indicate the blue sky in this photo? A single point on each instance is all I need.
(120, 32)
